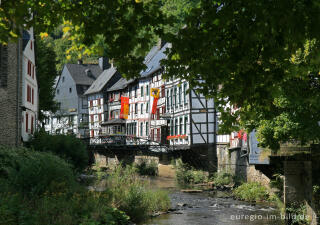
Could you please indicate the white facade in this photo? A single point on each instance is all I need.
(30, 100)
(97, 115)
(138, 122)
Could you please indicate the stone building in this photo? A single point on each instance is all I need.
(10, 93)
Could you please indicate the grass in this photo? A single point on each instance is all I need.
(187, 175)
(223, 178)
(147, 167)
(133, 196)
(252, 192)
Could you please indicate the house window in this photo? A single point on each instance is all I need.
(29, 68)
(31, 45)
(147, 128)
(175, 97)
(162, 91)
(141, 90)
(168, 105)
(185, 93)
(100, 117)
(58, 91)
(141, 129)
(163, 109)
(180, 93)
(147, 90)
(180, 125)
(135, 91)
(158, 114)
(91, 103)
(185, 124)
(62, 79)
(27, 121)
(171, 97)
(141, 108)
(158, 134)
(136, 108)
(176, 127)
(147, 107)
(91, 118)
(70, 90)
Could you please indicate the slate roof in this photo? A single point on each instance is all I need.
(152, 60)
(77, 71)
(25, 39)
(120, 84)
(101, 81)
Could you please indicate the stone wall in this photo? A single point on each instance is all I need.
(10, 98)
(298, 186)
(254, 175)
(230, 160)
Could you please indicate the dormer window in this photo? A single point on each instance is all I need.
(70, 90)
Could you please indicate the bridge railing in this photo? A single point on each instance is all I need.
(121, 140)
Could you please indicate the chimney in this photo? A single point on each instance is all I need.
(104, 63)
(80, 61)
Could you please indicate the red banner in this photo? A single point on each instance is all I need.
(154, 105)
(124, 111)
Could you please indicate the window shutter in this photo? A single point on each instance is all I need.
(3, 66)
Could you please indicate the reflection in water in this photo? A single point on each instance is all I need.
(205, 209)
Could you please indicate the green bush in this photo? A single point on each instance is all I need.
(251, 192)
(131, 195)
(185, 174)
(33, 173)
(66, 146)
(223, 178)
(40, 188)
(60, 208)
(147, 167)
(298, 213)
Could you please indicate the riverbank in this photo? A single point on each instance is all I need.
(211, 207)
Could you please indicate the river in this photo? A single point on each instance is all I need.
(206, 208)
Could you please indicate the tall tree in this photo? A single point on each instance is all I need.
(46, 75)
(258, 55)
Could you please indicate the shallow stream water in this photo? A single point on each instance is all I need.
(206, 208)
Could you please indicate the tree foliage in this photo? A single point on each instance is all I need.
(258, 55)
(46, 74)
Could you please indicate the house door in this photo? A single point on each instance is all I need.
(164, 134)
